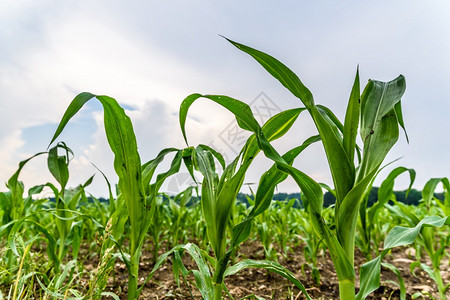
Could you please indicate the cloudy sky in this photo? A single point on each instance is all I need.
(149, 55)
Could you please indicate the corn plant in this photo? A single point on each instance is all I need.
(66, 201)
(430, 239)
(158, 225)
(377, 114)
(13, 207)
(178, 215)
(313, 244)
(218, 194)
(283, 225)
(368, 216)
(265, 235)
(16, 212)
(135, 202)
(57, 222)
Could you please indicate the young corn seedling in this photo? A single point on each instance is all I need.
(265, 235)
(434, 242)
(368, 215)
(282, 224)
(13, 207)
(17, 212)
(135, 202)
(157, 229)
(66, 201)
(218, 194)
(377, 115)
(178, 214)
(378, 111)
(313, 244)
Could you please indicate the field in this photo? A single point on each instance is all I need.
(203, 243)
(284, 242)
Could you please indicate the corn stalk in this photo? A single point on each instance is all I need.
(136, 194)
(376, 114)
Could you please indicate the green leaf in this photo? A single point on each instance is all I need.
(268, 265)
(149, 168)
(387, 189)
(401, 281)
(401, 236)
(352, 119)
(127, 163)
(341, 167)
(379, 123)
(347, 215)
(282, 73)
(242, 111)
(205, 163)
(59, 165)
(203, 276)
(430, 187)
(274, 128)
(399, 113)
(398, 236)
(73, 108)
(122, 140)
(424, 267)
(265, 191)
(112, 202)
(216, 154)
(334, 122)
(51, 242)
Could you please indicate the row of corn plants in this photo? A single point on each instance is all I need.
(294, 216)
(139, 212)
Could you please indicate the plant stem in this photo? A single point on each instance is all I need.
(440, 284)
(132, 281)
(346, 290)
(217, 291)
(61, 245)
(10, 258)
(133, 274)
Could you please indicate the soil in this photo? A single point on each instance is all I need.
(268, 285)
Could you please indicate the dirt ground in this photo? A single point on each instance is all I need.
(263, 284)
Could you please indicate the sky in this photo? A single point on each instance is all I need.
(150, 55)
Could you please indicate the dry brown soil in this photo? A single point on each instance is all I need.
(267, 285)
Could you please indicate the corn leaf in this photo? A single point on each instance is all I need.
(268, 265)
(51, 242)
(242, 111)
(387, 189)
(121, 138)
(342, 169)
(73, 108)
(282, 73)
(379, 123)
(401, 281)
(430, 187)
(202, 276)
(398, 236)
(265, 191)
(149, 168)
(204, 162)
(309, 187)
(352, 119)
(59, 165)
